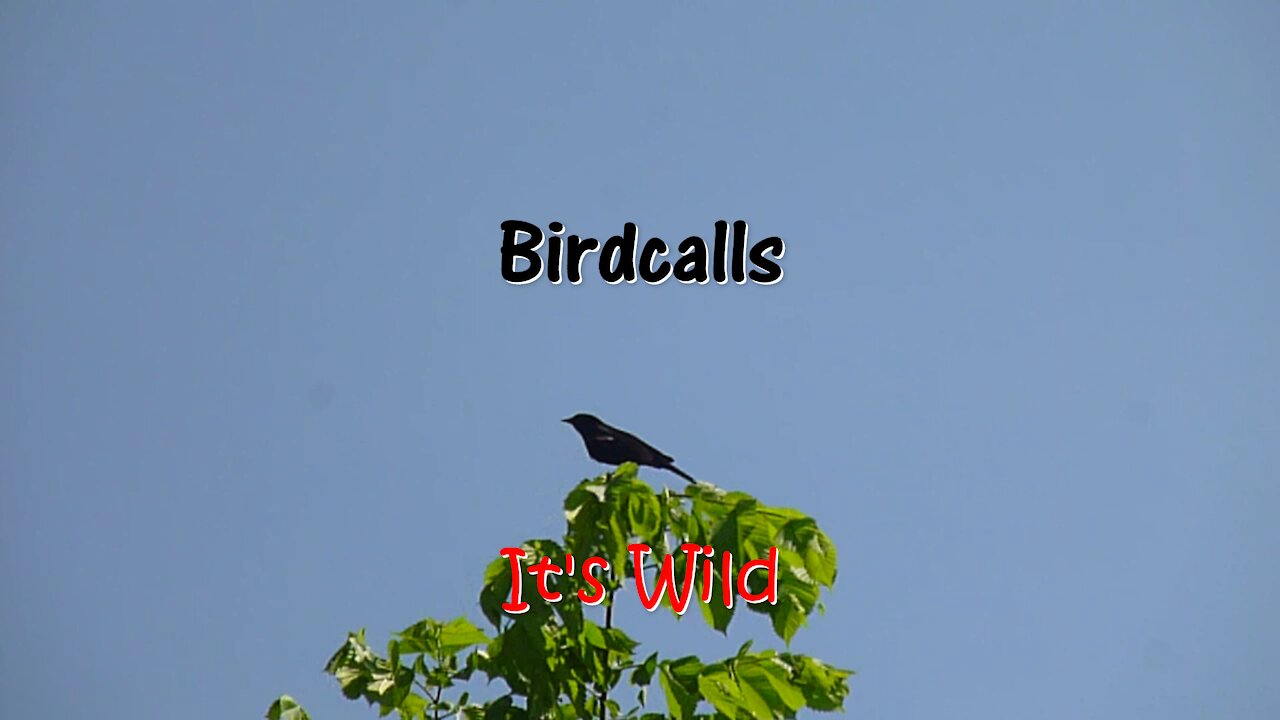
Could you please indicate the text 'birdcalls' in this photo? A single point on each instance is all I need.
(624, 259)
(664, 582)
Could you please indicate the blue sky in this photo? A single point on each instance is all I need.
(263, 383)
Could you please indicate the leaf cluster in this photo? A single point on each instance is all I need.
(555, 662)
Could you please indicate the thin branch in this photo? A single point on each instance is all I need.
(608, 624)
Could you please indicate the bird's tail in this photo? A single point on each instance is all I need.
(681, 473)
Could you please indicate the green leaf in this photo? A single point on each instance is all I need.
(771, 681)
(286, 708)
(824, 687)
(679, 680)
(619, 642)
(721, 691)
(815, 546)
(352, 665)
(496, 590)
(789, 614)
(714, 612)
(413, 707)
(460, 634)
(500, 709)
(643, 674)
(594, 635)
(380, 682)
(420, 637)
(497, 582)
(756, 703)
(756, 531)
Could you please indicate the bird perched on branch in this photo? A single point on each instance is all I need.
(611, 446)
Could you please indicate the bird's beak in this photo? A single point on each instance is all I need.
(565, 420)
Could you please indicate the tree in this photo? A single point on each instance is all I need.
(555, 662)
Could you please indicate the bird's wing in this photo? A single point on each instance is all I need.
(658, 455)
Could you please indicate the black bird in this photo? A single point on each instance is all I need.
(611, 446)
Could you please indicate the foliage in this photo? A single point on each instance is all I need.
(554, 662)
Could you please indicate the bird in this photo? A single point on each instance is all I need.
(611, 446)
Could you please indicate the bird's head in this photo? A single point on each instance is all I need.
(582, 420)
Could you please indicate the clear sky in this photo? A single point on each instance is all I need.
(262, 381)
